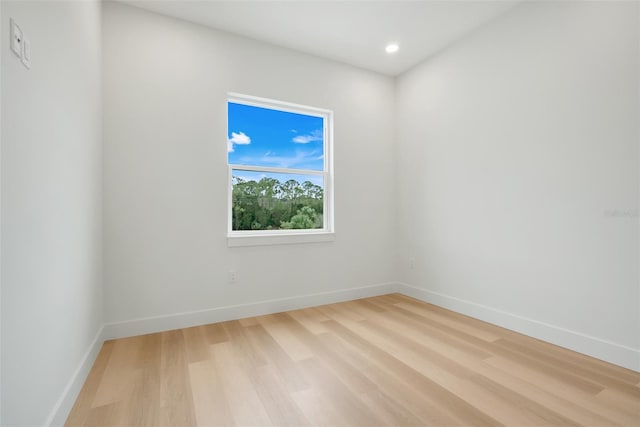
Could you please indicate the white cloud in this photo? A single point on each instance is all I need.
(239, 139)
(316, 135)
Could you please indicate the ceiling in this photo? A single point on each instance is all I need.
(353, 32)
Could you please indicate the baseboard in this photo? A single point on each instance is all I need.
(63, 406)
(220, 314)
(611, 352)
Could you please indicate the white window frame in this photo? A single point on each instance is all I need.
(274, 237)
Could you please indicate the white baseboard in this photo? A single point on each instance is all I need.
(220, 314)
(63, 406)
(608, 351)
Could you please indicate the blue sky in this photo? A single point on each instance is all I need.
(265, 137)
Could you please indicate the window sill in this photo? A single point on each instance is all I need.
(255, 239)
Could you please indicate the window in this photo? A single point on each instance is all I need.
(280, 172)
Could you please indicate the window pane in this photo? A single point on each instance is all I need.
(265, 137)
(276, 201)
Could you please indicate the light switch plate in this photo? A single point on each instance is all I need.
(16, 38)
(26, 52)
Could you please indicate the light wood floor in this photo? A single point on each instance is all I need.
(388, 360)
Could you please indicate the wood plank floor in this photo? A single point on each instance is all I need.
(388, 360)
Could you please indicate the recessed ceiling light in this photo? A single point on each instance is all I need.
(391, 48)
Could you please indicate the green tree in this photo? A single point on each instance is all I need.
(305, 218)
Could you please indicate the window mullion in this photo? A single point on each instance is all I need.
(276, 170)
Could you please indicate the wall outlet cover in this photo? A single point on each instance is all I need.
(233, 277)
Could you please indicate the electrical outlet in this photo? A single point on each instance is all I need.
(233, 277)
(412, 262)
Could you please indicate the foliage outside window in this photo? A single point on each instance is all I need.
(279, 168)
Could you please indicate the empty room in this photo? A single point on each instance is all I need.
(319, 213)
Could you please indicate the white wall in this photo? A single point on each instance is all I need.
(3, 26)
(517, 163)
(165, 88)
(51, 208)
